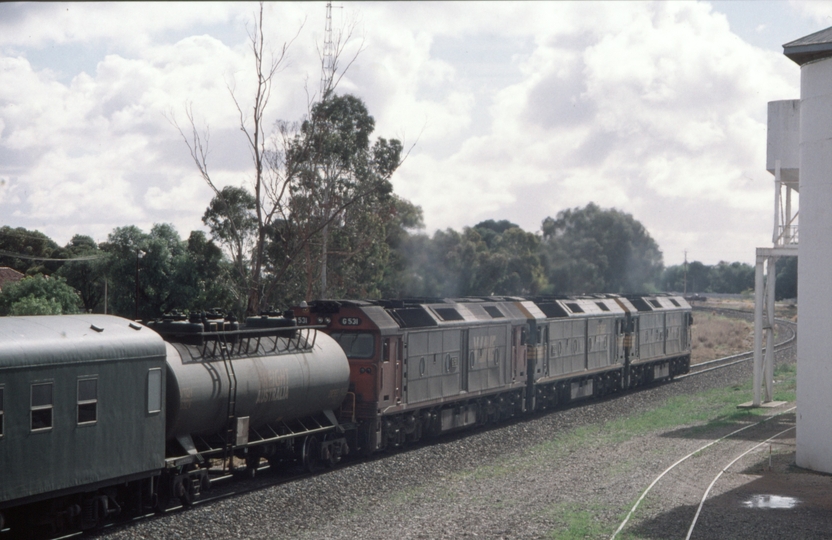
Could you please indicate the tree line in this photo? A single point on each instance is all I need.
(147, 274)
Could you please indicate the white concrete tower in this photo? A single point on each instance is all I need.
(814, 344)
(783, 161)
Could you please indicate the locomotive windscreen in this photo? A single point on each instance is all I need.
(355, 345)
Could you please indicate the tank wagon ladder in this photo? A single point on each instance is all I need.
(231, 426)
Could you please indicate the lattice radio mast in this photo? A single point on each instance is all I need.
(328, 64)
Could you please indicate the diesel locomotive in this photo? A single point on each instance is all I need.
(428, 366)
(103, 418)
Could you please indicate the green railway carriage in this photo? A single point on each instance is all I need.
(82, 420)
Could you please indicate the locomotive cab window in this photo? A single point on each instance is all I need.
(87, 401)
(355, 344)
(41, 408)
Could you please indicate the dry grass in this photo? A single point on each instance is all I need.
(715, 336)
(783, 310)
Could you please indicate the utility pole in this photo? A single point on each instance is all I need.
(686, 272)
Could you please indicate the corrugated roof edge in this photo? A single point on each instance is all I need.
(809, 48)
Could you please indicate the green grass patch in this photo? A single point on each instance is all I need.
(579, 521)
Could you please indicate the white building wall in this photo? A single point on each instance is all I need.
(814, 373)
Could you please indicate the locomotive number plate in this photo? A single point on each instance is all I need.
(350, 321)
(302, 320)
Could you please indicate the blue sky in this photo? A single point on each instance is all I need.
(517, 110)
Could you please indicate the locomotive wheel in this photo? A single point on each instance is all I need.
(311, 453)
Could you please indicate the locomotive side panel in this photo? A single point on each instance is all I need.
(487, 355)
(601, 343)
(567, 343)
(651, 336)
(676, 333)
(432, 365)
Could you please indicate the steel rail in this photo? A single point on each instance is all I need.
(680, 461)
(713, 482)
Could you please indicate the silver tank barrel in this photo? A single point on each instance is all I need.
(275, 380)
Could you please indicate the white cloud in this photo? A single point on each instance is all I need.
(520, 110)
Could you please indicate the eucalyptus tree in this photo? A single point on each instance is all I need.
(27, 251)
(592, 250)
(290, 212)
(156, 272)
(39, 295)
(87, 272)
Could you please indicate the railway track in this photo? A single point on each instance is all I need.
(787, 329)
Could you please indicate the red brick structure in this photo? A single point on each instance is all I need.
(8, 275)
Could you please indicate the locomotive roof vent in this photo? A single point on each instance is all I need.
(552, 310)
(494, 311)
(448, 314)
(412, 317)
(574, 307)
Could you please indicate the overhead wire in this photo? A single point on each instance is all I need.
(33, 258)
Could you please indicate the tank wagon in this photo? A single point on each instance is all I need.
(101, 416)
(427, 366)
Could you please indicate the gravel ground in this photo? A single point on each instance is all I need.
(527, 479)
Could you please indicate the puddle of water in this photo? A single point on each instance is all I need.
(768, 502)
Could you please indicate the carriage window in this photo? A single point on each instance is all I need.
(87, 401)
(1, 412)
(41, 411)
(154, 390)
(355, 345)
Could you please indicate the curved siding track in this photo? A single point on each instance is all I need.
(693, 472)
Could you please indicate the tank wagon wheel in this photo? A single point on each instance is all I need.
(180, 488)
(332, 458)
(251, 467)
(311, 453)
